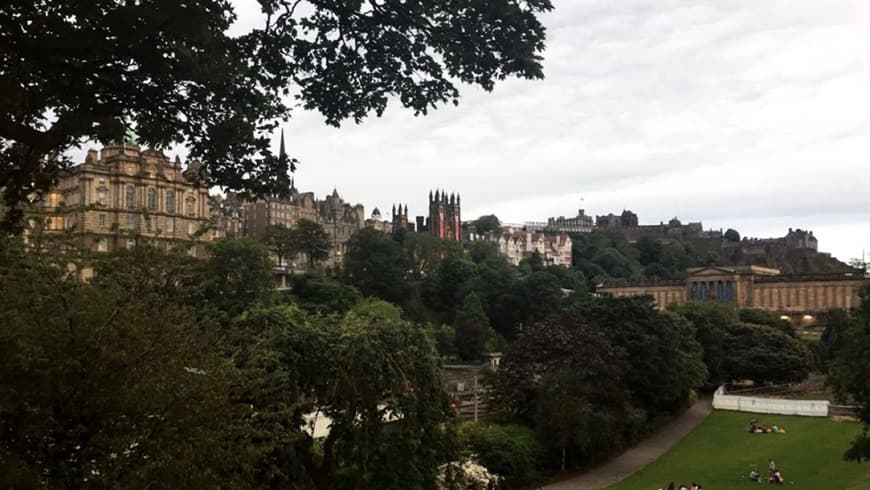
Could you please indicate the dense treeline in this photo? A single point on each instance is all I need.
(163, 371)
(194, 372)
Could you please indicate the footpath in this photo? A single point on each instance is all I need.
(641, 455)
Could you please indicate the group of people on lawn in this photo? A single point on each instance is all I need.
(683, 486)
(756, 428)
(774, 476)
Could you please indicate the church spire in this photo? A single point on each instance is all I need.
(282, 153)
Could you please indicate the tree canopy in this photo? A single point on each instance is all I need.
(72, 71)
(487, 224)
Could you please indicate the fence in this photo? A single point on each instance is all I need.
(808, 408)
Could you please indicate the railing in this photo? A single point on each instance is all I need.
(756, 404)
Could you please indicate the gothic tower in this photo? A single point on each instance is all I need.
(445, 217)
(400, 218)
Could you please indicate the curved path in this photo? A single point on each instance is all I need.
(629, 462)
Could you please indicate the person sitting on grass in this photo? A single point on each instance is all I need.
(754, 475)
(776, 478)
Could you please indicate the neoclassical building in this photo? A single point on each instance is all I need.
(799, 297)
(122, 194)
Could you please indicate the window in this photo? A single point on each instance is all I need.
(170, 225)
(131, 221)
(53, 200)
(191, 203)
(170, 201)
(55, 223)
(101, 196)
(131, 197)
(102, 246)
(152, 199)
(131, 243)
(152, 223)
(191, 228)
(102, 220)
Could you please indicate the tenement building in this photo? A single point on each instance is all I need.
(518, 244)
(124, 194)
(799, 297)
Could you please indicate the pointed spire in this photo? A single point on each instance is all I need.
(430, 196)
(457, 199)
(437, 198)
(282, 153)
(394, 210)
(452, 198)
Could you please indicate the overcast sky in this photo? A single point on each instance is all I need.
(751, 114)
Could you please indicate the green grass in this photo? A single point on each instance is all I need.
(719, 454)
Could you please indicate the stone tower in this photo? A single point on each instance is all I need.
(445, 217)
(400, 218)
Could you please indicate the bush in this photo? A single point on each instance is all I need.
(511, 451)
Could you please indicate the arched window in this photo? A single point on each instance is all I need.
(170, 201)
(191, 203)
(131, 197)
(152, 199)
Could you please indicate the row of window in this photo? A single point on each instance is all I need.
(130, 201)
(103, 246)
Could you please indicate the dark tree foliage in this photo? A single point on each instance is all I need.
(665, 359)
(764, 355)
(317, 293)
(236, 275)
(566, 379)
(712, 322)
(471, 329)
(511, 451)
(487, 224)
(375, 265)
(850, 374)
(279, 242)
(310, 239)
(451, 284)
(757, 316)
(735, 350)
(833, 338)
(71, 71)
(732, 235)
(113, 382)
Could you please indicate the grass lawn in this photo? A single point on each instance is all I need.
(719, 453)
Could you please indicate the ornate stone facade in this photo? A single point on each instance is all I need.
(124, 194)
(799, 297)
(338, 218)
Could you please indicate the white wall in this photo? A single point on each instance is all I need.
(808, 408)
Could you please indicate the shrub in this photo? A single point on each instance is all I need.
(511, 451)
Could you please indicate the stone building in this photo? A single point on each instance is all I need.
(377, 222)
(445, 216)
(516, 245)
(628, 224)
(582, 223)
(400, 219)
(259, 215)
(799, 297)
(338, 218)
(123, 194)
